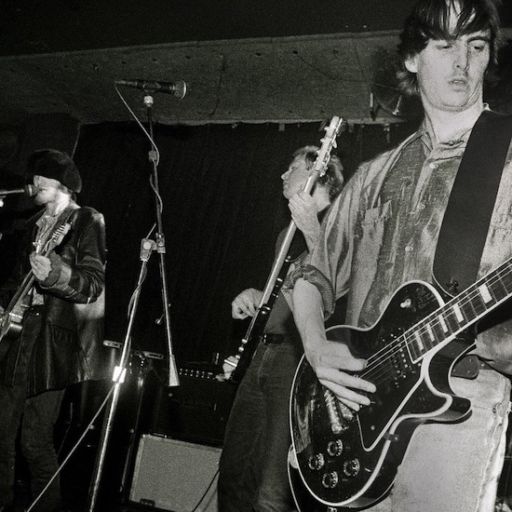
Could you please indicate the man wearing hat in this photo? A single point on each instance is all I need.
(61, 336)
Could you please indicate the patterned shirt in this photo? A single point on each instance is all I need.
(382, 231)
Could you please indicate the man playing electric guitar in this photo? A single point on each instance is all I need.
(61, 324)
(382, 232)
(253, 462)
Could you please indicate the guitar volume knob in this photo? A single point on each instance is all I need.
(335, 448)
(330, 480)
(316, 462)
(351, 467)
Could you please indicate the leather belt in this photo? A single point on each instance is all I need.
(268, 338)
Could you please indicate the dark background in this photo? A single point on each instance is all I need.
(223, 208)
(41, 26)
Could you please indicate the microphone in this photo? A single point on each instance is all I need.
(28, 190)
(179, 88)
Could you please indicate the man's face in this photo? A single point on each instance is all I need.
(451, 73)
(295, 177)
(48, 190)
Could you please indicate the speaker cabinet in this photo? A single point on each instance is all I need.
(175, 475)
(196, 411)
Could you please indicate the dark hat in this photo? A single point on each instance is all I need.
(55, 165)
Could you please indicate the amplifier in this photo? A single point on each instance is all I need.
(197, 410)
(175, 475)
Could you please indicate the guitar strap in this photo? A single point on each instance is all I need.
(470, 205)
(64, 217)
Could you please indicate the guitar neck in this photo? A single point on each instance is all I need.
(279, 268)
(28, 281)
(260, 318)
(461, 312)
(319, 168)
(21, 292)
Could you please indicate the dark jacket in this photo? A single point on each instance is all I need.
(69, 347)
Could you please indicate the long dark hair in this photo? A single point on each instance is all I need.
(430, 19)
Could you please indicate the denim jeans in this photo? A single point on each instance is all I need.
(36, 417)
(253, 464)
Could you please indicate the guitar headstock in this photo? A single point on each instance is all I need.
(328, 143)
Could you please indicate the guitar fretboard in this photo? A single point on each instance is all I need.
(460, 312)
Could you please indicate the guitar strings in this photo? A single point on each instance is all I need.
(376, 361)
(382, 357)
(406, 340)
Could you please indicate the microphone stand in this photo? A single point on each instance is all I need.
(147, 246)
(173, 379)
(118, 378)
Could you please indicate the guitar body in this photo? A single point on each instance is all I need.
(12, 319)
(349, 459)
(303, 499)
(252, 337)
(12, 324)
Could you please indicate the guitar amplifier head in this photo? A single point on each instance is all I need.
(197, 410)
(175, 475)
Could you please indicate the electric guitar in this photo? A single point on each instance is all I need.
(249, 342)
(11, 321)
(349, 459)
